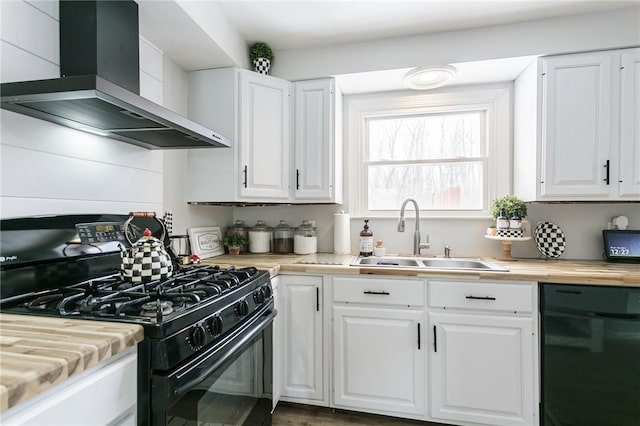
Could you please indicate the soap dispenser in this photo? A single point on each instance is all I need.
(366, 240)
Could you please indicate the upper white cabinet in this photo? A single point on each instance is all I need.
(630, 125)
(585, 136)
(318, 141)
(253, 111)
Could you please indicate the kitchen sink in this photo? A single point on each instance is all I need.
(462, 264)
(389, 262)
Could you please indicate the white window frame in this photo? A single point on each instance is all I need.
(494, 99)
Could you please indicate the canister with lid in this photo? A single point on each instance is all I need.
(239, 228)
(260, 238)
(305, 239)
(282, 238)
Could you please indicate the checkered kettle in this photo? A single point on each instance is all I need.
(145, 261)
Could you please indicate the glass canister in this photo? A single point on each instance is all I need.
(282, 238)
(260, 238)
(239, 228)
(305, 239)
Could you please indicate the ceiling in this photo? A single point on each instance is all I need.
(299, 24)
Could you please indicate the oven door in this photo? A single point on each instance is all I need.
(229, 384)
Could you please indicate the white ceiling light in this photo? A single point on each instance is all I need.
(429, 77)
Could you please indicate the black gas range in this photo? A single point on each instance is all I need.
(203, 325)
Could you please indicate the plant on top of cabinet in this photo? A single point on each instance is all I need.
(261, 57)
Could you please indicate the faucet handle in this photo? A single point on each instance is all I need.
(447, 252)
(423, 246)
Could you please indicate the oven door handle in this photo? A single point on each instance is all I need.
(188, 377)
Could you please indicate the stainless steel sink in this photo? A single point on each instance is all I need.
(388, 262)
(466, 264)
(461, 264)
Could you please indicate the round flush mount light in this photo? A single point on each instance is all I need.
(429, 77)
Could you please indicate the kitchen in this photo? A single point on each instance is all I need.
(79, 172)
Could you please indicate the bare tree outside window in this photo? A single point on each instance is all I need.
(438, 159)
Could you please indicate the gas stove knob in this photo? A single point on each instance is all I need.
(197, 337)
(266, 291)
(214, 325)
(258, 296)
(241, 308)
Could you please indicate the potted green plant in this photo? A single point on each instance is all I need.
(510, 204)
(261, 57)
(234, 242)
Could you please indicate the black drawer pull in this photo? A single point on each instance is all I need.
(382, 293)
(435, 339)
(418, 336)
(480, 297)
(317, 299)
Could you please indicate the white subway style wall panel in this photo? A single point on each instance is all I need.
(20, 65)
(50, 7)
(30, 29)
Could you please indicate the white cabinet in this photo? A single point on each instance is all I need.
(253, 111)
(304, 351)
(586, 131)
(483, 352)
(630, 125)
(318, 141)
(104, 394)
(379, 355)
(278, 339)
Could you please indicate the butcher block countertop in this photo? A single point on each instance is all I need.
(557, 271)
(37, 352)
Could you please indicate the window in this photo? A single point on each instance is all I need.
(449, 151)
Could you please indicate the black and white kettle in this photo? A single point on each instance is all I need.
(146, 260)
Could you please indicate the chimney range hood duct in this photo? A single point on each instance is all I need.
(98, 91)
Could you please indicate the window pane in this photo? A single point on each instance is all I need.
(450, 186)
(424, 137)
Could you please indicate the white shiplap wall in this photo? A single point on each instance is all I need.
(49, 169)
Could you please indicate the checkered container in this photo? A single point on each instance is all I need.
(146, 261)
(550, 239)
(262, 65)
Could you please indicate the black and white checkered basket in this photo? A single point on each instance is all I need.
(549, 239)
(262, 65)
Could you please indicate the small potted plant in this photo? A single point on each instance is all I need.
(234, 242)
(261, 57)
(511, 205)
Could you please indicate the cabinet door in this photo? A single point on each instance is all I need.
(314, 137)
(577, 129)
(482, 369)
(277, 342)
(379, 359)
(630, 126)
(264, 134)
(303, 337)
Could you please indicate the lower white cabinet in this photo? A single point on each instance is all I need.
(106, 394)
(481, 369)
(379, 355)
(304, 351)
(379, 359)
(482, 352)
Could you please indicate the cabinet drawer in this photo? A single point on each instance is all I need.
(491, 296)
(378, 291)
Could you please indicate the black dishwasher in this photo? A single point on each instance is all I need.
(590, 357)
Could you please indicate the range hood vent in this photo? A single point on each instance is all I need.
(98, 91)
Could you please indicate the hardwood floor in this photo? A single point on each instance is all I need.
(287, 414)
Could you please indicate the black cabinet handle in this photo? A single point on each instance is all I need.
(382, 293)
(418, 336)
(245, 176)
(297, 178)
(435, 339)
(480, 297)
(317, 299)
(606, 166)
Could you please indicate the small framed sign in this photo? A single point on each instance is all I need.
(206, 242)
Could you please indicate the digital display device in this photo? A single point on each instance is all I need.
(621, 246)
(100, 232)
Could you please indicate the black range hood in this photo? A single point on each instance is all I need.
(98, 91)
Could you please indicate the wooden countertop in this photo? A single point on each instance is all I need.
(38, 352)
(592, 272)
